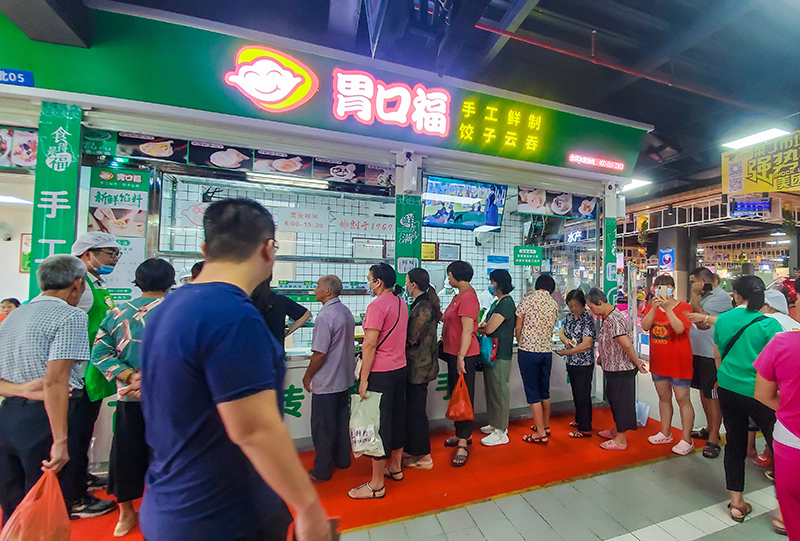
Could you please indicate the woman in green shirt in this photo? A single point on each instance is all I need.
(739, 336)
(500, 322)
(116, 355)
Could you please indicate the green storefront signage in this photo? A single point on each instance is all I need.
(610, 260)
(528, 256)
(156, 62)
(56, 185)
(408, 234)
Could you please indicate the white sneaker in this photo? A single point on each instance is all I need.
(683, 448)
(488, 429)
(497, 437)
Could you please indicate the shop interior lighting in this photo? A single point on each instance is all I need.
(451, 199)
(636, 183)
(777, 234)
(279, 180)
(756, 138)
(10, 199)
(487, 229)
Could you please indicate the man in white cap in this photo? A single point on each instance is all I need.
(776, 306)
(99, 252)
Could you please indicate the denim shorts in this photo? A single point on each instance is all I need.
(676, 382)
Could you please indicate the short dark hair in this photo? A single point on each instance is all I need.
(546, 282)
(576, 295)
(197, 268)
(235, 228)
(596, 296)
(664, 280)
(461, 271)
(750, 288)
(703, 274)
(155, 274)
(386, 274)
(11, 300)
(503, 280)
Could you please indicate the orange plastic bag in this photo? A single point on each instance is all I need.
(460, 406)
(42, 514)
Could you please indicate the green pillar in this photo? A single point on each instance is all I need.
(56, 187)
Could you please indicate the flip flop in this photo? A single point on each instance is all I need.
(457, 461)
(546, 430)
(779, 527)
(712, 450)
(611, 445)
(578, 434)
(701, 434)
(376, 494)
(417, 465)
(744, 512)
(452, 441)
(605, 434)
(574, 424)
(533, 438)
(394, 475)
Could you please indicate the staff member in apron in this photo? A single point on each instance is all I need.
(99, 252)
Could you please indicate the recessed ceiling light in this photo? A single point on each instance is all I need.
(10, 199)
(636, 183)
(760, 137)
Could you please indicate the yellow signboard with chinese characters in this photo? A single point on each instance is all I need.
(766, 167)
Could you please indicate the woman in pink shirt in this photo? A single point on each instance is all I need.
(383, 370)
(778, 386)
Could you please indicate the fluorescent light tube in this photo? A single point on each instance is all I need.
(636, 183)
(14, 200)
(756, 138)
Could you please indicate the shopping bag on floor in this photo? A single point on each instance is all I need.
(365, 424)
(642, 414)
(41, 516)
(460, 406)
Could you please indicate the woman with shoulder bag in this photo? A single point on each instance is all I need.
(383, 370)
(423, 366)
(739, 336)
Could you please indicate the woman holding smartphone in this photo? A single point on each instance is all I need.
(670, 361)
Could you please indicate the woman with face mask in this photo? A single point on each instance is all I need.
(670, 361)
(423, 366)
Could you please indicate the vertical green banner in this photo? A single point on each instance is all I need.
(610, 260)
(56, 187)
(408, 231)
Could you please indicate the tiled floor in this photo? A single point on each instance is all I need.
(678, 499)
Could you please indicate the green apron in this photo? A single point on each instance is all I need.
(97, 386)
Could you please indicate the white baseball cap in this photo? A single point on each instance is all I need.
(776, 300)
(93, 240)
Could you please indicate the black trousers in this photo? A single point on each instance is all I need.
(580, 379)
(25, 441)
(621, 395)
(130, 455)
(737, 409)
(330, 419)
(463, 428)
(276, 529)
(81, 430)
(392, 386)
(418, 437)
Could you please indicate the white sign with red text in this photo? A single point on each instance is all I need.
(303, 220)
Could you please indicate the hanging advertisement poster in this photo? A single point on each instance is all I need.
(25, 252)
(666, 259)
(767, 167)
(137, 145)
(267, 161)
(18, 148)
(408, 231)
(539, 201)
(220, 156)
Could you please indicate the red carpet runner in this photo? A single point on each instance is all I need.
(489, 472)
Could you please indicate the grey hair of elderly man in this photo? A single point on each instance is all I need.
(334, 283)
(59, 272)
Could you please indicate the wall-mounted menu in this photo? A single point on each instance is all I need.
(18, 148)
(539, 201)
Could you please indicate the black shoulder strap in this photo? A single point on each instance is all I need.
(399, 306)
(737, 335)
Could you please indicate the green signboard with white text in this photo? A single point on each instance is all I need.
(161, 63)
(528, 256)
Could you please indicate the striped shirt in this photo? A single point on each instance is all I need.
(46, 329)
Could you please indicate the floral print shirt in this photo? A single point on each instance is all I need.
(577, 330)
(612, 355)
(540, 312)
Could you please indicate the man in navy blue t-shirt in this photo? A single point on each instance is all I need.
(212, 389)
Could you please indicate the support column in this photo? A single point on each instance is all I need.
(408, 213)
(678, 238)
(56, 187)
(609, 259)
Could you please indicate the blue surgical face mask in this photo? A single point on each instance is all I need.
(492, 291)
(104, 269)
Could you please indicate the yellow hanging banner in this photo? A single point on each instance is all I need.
(766, 167)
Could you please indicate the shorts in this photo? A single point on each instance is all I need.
(705, 376)
(676, 382)
(535, 370)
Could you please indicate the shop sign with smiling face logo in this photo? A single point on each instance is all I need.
(274, 81)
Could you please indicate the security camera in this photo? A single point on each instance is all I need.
(481, 237)
(7, 237)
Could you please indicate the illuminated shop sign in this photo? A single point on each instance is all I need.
(596, 162)
(576, 236)
(271, 79)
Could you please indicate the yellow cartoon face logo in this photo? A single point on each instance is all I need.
(272, 80)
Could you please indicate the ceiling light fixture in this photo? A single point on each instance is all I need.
(636, 183)
(756, 138)
(777, 234)
(11, 200)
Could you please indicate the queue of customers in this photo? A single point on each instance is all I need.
(199, 374)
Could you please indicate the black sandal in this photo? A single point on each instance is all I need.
(394, 475)
(460, 458)
(546, 430)
(701, 434)
(712, 450)
(743, 512)
(452, 441)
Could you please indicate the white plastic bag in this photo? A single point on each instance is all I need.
(365, 424)
(642, 414)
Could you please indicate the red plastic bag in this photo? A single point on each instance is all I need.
(460, 406)
(42, 514)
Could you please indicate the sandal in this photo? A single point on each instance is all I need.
(701, 434)
(452, 441)
(460, 458)
(574, 424)
(605, 434)
(533, 438)
(712, 450)
(546, 430)
(660, 439)
(611, 445)
(394, 475)
(743, 512)
(376, 494)
(578, 434)
(779, 527)
(417, 465)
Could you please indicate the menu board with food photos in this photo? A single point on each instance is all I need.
(18, 148)
(539, 201)
(136, 145)
(220, 156)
